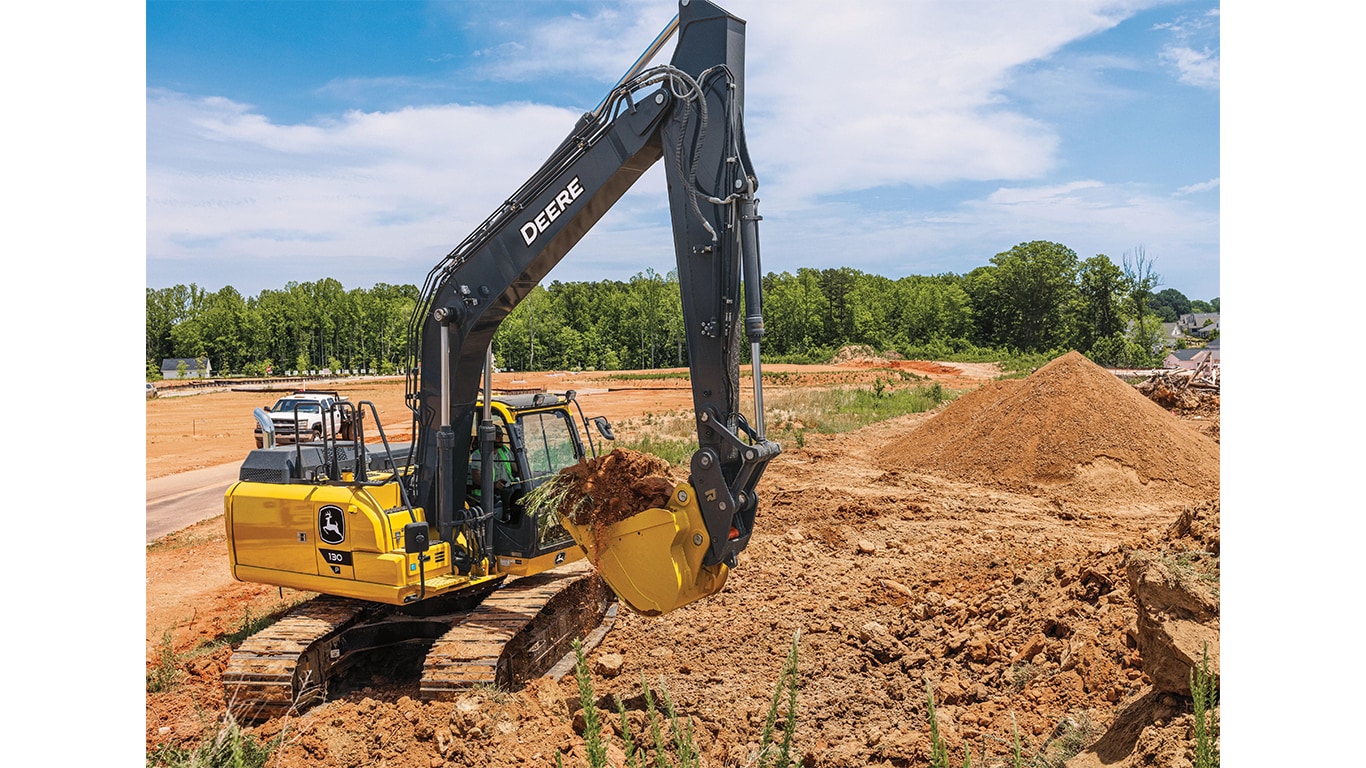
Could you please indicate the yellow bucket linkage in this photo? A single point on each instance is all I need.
(653, 559)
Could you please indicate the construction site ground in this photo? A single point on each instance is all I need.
(979, 551)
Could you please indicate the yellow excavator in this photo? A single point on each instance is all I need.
(411, 542)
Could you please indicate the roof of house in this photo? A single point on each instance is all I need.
(173, 363)
(1197, 319)
(1186, 354)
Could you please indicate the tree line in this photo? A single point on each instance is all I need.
(1037, 297)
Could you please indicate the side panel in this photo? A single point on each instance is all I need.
(338, 532)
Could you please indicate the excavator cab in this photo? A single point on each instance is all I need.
(537, 436)
(653, 560)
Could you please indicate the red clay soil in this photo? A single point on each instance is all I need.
(978, 553)
(1072, 428)
(601, 491)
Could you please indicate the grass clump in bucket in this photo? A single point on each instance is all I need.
(600, 492)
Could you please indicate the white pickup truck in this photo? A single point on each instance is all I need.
(307, 415)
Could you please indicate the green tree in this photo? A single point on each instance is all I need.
(1170, 304)
(838, 288)
(931, 309)
(795, 311)
(1029, 296)
(1100, 289)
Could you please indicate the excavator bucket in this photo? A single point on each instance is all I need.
(653, 560)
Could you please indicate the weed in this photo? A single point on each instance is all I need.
(1021, 674)
(1016, 753)
(1205, 693)
(166, 672)
(228, 747)
(549, 500)
(592, 733)
(253, 624)
(1071, 736)
(680, 747)
(685, 743)
(939, 755)
(787, 684)
(628, 744)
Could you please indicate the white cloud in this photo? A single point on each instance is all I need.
(885, 93)
(1198, 68)
(1193, 52)
(1203, 186)
(225, 183)
(874, 93)
(601, 45)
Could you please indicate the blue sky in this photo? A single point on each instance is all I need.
(362, 140)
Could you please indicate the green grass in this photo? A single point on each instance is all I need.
(224, 744)
(833, 411)
(253, 624)
(165, 671)
(790, 416)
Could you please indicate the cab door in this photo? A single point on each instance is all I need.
(543, 442)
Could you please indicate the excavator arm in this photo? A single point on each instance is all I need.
(688, 113)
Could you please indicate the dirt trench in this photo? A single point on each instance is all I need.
(926, 553)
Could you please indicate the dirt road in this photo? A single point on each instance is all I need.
(1000, 588)
(181, 500)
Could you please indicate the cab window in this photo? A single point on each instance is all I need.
(550, 443)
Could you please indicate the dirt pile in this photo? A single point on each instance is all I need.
(1071, 428)
(602, 491)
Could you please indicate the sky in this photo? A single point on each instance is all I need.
(292, 141)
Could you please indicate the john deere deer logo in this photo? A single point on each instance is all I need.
(331, 525)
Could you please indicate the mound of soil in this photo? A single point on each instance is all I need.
(1072, 428)
(604, 490)
(1071, 425)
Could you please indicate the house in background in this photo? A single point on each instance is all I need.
(1190, 359)
(171, 368)
(1200, 325)
(1172, 333)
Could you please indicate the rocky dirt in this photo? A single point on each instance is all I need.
(1041, 554)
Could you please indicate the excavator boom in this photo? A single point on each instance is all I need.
(690, 114)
